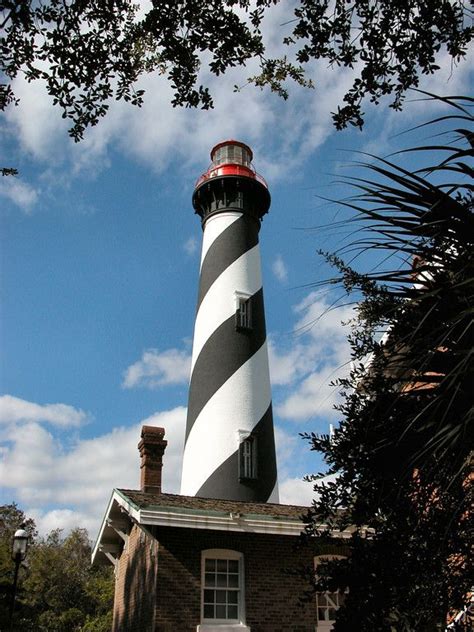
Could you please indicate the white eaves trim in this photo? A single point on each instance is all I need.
(167, 517)
(115, 499)
(195, 519)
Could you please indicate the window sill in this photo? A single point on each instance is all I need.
(222, 627)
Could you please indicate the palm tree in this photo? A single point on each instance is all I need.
(403, 450)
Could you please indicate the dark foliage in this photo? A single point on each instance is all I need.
(403, 451)
(58, 590)
(9, 171)
(90, 52)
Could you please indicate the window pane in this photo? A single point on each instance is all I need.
(332, 599)
(232, 596)
(322, 614)
(209, 612)
(233, 566)
(219, 156)
(210, 565)
(233, 581)
(232, 612)
(221, 612)
(208, 596)
(221, 580)
(221, 596)
(322, 600)
(210, 580)
(222, 566)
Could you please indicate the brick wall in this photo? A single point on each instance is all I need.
(273, 590)
(135, 580)
(158, 585)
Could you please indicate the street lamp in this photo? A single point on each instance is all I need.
(19, 551)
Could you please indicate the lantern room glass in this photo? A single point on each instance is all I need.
(231, 154)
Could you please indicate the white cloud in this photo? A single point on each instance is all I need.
(190, 246)
(20, 193)
(286, 365)
(295, 460)
(279, 269)
(296, 491)
(35, 123)
(157, 369)
(13, 409)
(69, 485)
(313, 397)
(451, 78)
(28, 461)
(65, 519)
(316, 355)
(287, 448)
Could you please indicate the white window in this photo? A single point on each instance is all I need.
(243, 312)
(327, 603)
(222, 592)
(248, 458)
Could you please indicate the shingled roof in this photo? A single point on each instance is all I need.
(142, 500)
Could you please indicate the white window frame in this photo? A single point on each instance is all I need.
(248, 456)
(325, 625)
(243, 298)
(223, 625)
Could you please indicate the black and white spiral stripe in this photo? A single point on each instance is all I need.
(230, 385)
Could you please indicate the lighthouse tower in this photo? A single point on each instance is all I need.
(229, 448)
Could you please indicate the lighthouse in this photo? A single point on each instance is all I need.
(229, 450)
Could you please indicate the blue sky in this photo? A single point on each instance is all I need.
(99, 271)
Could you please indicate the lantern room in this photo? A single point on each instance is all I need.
(231, 152)
(231, 158)
(231, 182)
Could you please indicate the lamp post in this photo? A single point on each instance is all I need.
(19, 550)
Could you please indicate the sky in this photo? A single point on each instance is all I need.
(99, 272)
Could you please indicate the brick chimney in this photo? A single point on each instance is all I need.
(151, 447)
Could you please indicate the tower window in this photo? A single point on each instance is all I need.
(248, 458)
(243, 314)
